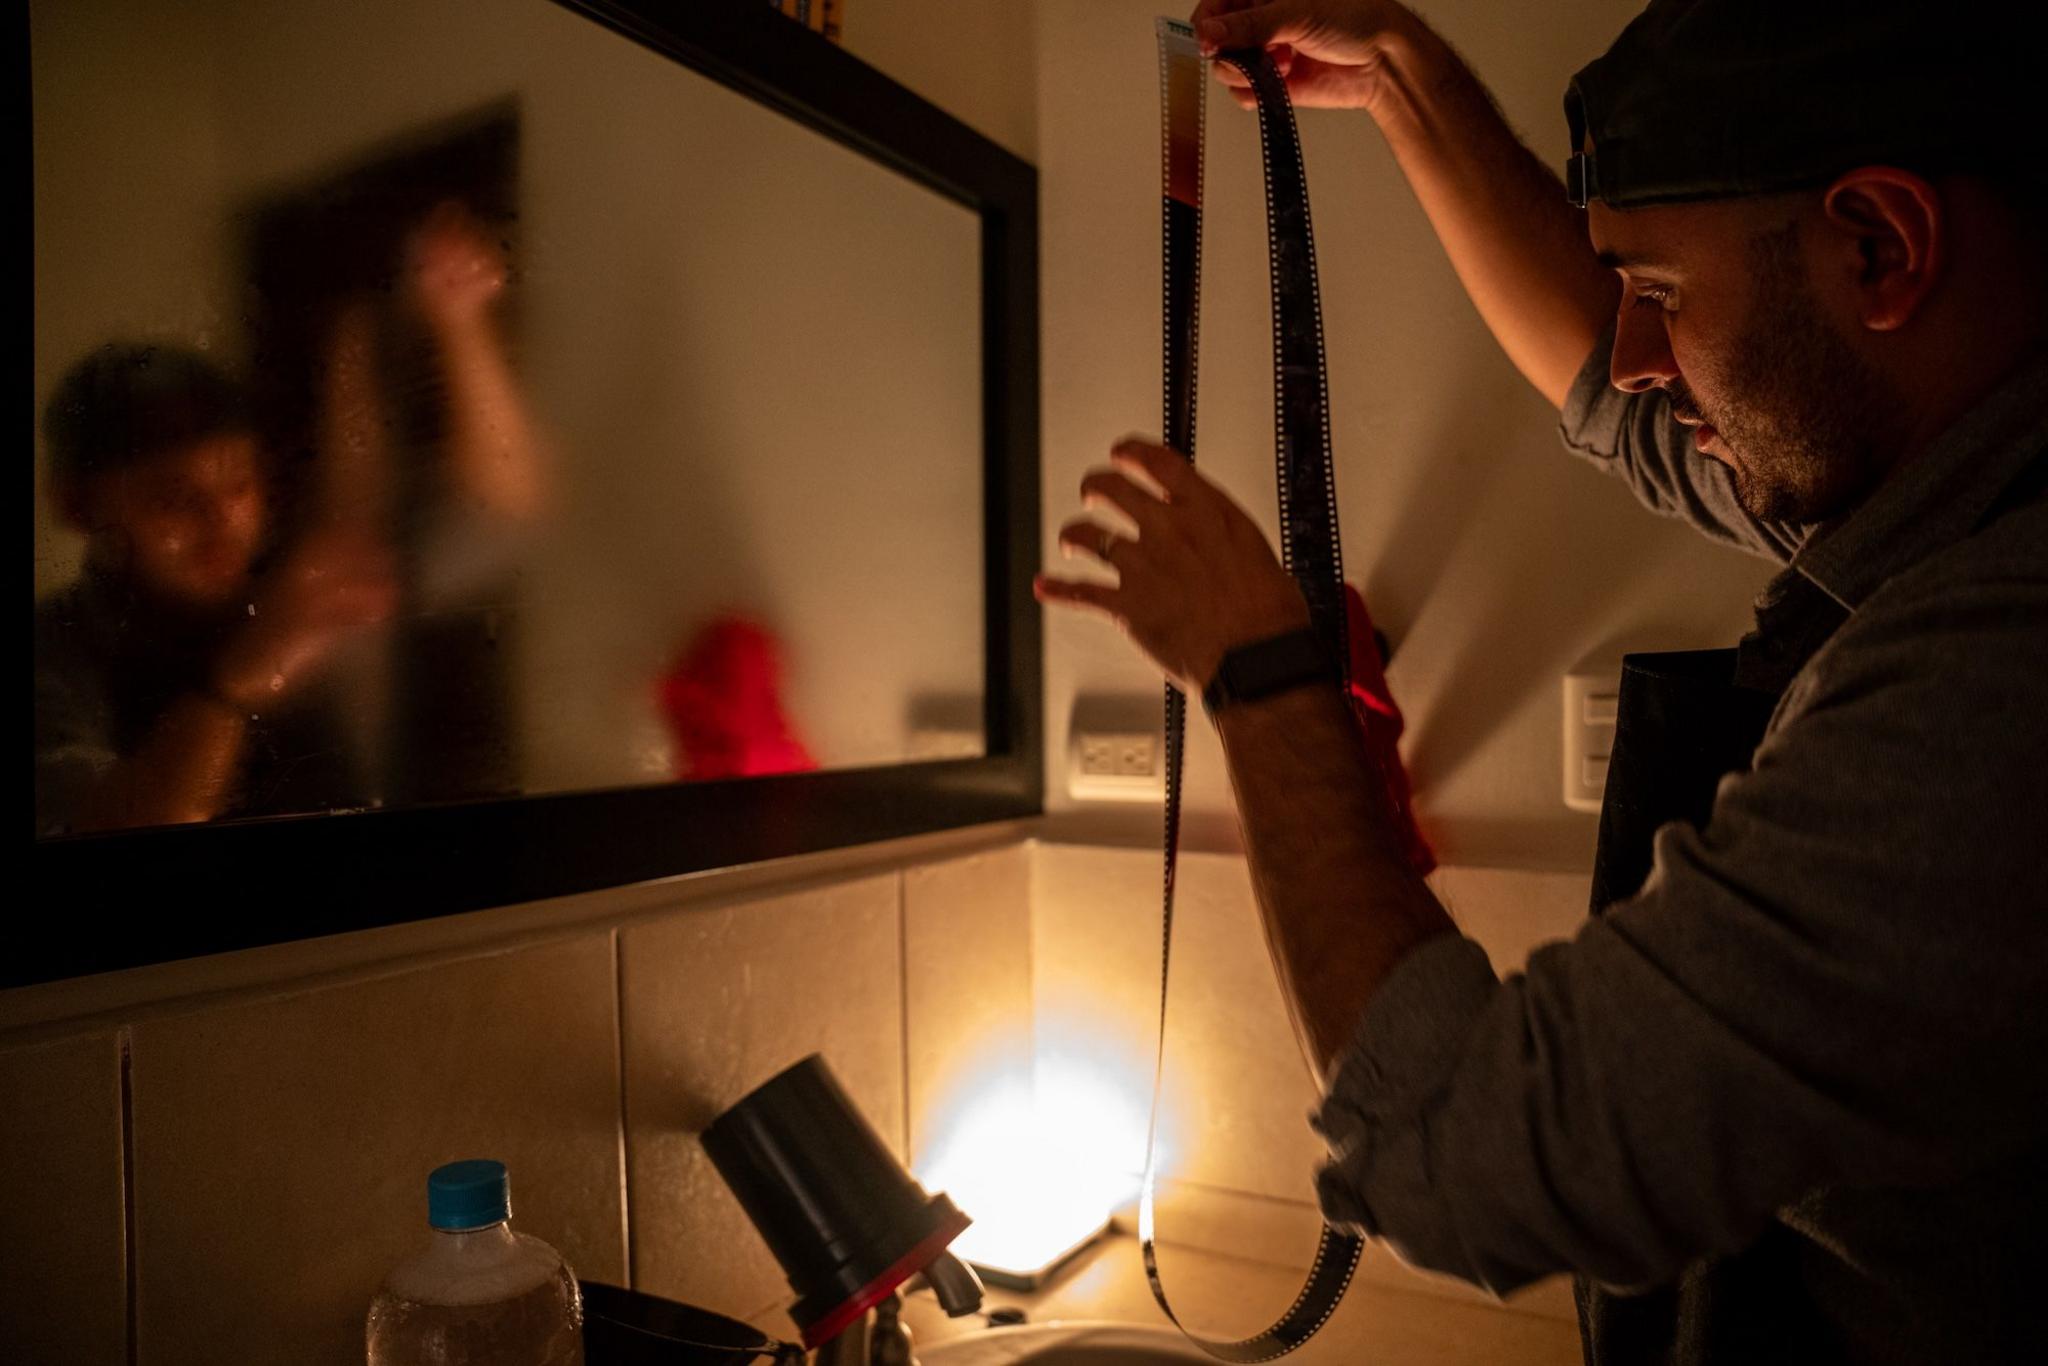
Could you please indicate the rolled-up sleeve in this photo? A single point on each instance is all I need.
(1835, 982)
(1634, 437)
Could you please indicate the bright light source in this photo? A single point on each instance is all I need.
(1040, 1168)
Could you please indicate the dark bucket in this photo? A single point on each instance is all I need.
(842, 1216)
(628, 1328)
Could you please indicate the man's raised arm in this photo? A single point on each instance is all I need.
(1517, 244)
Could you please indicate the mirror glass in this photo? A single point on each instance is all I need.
(450, 401)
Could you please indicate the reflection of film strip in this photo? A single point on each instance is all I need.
(819, 16)
(1308, 517)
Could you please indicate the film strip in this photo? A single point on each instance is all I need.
(1308, 521)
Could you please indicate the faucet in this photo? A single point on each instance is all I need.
(880, 1337)
(956, 1285)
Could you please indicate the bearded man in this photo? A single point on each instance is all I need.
(1783, 1098)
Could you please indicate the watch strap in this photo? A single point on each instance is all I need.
(1268, 667)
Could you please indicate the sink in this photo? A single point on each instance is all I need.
(1063, 1344)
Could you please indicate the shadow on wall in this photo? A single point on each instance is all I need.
(1499, 529)
(1495, 665)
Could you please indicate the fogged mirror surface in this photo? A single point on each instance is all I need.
(449, 401)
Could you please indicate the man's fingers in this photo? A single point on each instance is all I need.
(1092, 597)
(1088, 537)
(1284, 60)
(1278, 22)
(1167, 468)
(1140, 505)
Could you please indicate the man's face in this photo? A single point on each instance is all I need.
(189, 521)
(1718, 309)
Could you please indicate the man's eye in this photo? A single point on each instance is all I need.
(1658, 295)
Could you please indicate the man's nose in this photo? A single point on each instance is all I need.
(1642, 358)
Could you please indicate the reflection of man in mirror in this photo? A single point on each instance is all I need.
(171, 678)
(179, 679)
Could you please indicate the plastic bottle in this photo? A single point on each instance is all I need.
(480, 1295)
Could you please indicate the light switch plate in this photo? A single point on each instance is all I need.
(1590, 694)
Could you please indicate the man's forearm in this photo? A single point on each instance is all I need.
(1519, 247)
(1340, 904)
(494, 449)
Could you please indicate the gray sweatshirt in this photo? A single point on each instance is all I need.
(1827, 1008)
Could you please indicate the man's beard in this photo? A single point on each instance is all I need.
(1802, 410)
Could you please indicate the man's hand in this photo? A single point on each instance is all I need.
(456, 269)
(1332, 52)
(1198, 580)
(332, 586)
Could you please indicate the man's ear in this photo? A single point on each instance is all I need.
(1895, 223)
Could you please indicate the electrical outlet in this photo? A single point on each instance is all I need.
(1137, 756)
(1116, 750)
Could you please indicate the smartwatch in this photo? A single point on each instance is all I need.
(1267, 667)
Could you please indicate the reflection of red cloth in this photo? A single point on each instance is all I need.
(722, 699)
(1380, 718)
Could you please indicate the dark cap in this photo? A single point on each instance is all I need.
(1714, 99)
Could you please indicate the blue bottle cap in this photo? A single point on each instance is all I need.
(466, 1195)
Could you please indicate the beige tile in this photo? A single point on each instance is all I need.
(1237, 1094)
(282, 1145)
(967, 986)
(715, 1001)
(64, 1296)
(1283, 1233)
(1254, 1228)
(1227, 1297)
(1238, 1086)
(78, 1004)
(1230, 1297)
(1095, 985)
(1510, 911)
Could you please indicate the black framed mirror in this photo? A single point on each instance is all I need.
(651, 389)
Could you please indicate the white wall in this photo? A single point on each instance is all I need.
(1493, 559)
(133, 247)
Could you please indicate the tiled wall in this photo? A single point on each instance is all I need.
(218, 1169)
(266, 1165)
(1236, 1149)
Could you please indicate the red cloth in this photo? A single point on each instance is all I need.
(722, 698)
(1379, 717)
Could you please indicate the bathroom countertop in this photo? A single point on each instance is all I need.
(1377, 1324)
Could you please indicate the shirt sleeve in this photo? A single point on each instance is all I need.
(1836, 982)
(1635, 437)
(74, 740)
